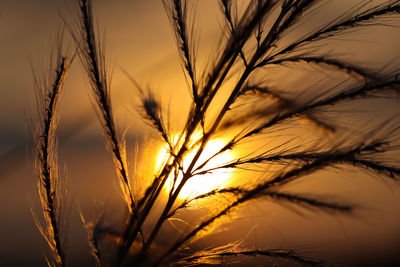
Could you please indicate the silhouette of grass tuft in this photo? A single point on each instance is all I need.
(257, 44)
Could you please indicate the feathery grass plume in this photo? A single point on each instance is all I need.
(93, 58)
(351, 69)
(360, 156)
(94, 232)
(97, 231)
(280, 102)
(352, 93)
(177, 11)
(226, 6)
(338, 26)
(153, 113)
(51, 186)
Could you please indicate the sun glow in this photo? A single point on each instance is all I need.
(201, 184)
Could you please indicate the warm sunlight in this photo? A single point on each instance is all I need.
(201, 184)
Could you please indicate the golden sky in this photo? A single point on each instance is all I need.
(138, 39)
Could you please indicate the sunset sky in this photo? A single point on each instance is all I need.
(138, 39)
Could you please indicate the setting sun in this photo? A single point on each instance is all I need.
(201, 184)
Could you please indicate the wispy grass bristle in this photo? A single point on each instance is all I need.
(51, 187)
